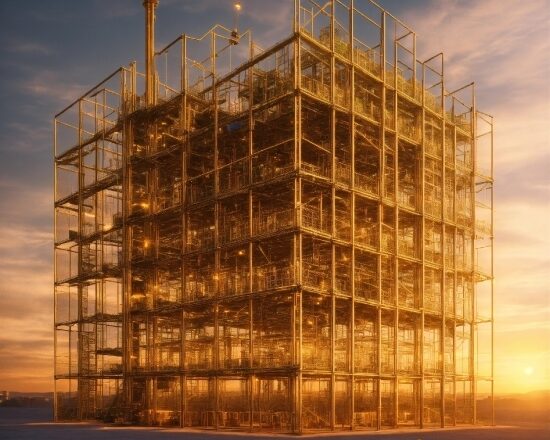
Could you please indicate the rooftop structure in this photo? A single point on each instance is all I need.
(299, 243)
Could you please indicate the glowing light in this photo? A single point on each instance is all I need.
(241, 252)
(529, 371)
(238, 6)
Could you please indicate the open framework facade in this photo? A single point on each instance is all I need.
(300, 243)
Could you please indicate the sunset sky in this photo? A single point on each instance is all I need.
(53, 51)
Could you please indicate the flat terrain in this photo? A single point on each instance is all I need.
(34, 424)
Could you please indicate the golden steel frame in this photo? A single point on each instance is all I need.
(304, 242)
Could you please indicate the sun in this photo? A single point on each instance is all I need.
(529, 371)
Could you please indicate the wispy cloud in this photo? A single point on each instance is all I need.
(17, 138)
(28, 47)
(485, 40)
(51, 85)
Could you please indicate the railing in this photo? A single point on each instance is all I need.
(234, 282)
(408, 128)
(234, 229)
(321, 170)
(312, 217)
(233, 176)
(272, 221)
(268, 170)
(483, 228)
(341, 97)
(409, 87)
(316, 87)
(433, 255)
(433, 102)
(343, 173)
(369, 184)
(273, 276)
(200, 286)
(433, 147)
(433, 205)
(367, 108)
(367, 61)
(316, 276)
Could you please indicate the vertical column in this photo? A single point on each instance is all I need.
(80, 289)
(422, 231)
(252, 378)
(150, 92)
(351, 340)
(127, 141)
(443, 255)
(474, 325)
(55, 405)
(396, 225)
(214, 103)
(333, 215)
(297, 378)
(380, 210)
(492, 287)
(184, 136)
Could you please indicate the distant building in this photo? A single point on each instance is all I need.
(4, 395)
(302, 243)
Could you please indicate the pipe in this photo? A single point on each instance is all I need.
(150, 95)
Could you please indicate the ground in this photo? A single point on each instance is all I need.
(35, 423)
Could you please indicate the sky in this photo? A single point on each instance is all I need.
(52, 52)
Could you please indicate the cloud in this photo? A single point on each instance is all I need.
(17, 138)
(25, 204)
(479, 40)
(51, 85)
(28, 47)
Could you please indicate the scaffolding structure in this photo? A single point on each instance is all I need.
(299, 243)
